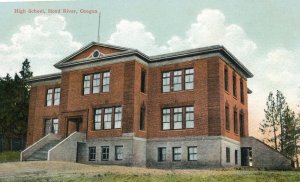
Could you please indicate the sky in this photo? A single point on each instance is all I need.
(263, 35)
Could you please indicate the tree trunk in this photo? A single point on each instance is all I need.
(275, 137)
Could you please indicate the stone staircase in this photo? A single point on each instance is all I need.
(42, 153)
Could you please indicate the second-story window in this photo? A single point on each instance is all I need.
(226, 79)
(56, 96)
(242, 90)
(166, 82)
(182, 117)
(49, 97)
(189, 79)
(96, 83)
(108, 118)
(53, 96)
(87, 84)
(234, 85)
(106, 82)
(178, 80)
(93, 83)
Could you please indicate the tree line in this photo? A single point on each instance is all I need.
(281, 127)
(14, 105)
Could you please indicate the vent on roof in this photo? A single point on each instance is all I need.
(97, 54)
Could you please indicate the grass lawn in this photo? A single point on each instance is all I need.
(66, 171)
(9, 156)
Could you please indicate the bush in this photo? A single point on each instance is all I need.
(9, 156)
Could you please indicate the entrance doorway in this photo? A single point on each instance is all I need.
(74, 124)
(246, 156)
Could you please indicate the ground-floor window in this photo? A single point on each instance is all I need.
(162, 154)
(51, 126)
(176, 153)
(119, 152)
(105, 153)
(192, 153)
(227, 154)
(92, 153)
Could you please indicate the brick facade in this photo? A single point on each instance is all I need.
(208, 95)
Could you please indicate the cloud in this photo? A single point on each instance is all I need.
(44, 42)
(210, 28)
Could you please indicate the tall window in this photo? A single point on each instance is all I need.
(143, 81)
(227, 122)
(189, 117)
(176, 153)
(92, 153)
(235, 121)
(119, 152)
(55, 125)
(236, 156)
(242, 90)
(87, 84)
(103, 118)
(192, 153)
(227, 154)
(56, 96)
(178, 118)
(226, 79)
(106, 82)
(49, 97)
(98, 119)
(234, 84)
(178, 80)
(166, 82)
(96, 83)
(51, 126)
(107, 118)
(189, 79)
(93, 83)
(166, 124)
(142, 118)
(105, 153)
(118, 117)
(162, 154)
(178, 121)
(242, 132)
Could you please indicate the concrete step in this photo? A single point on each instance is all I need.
(42, 153)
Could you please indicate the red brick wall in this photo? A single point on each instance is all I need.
(208, 97)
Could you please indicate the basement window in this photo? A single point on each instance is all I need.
(92, 153)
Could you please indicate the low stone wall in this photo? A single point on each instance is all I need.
(66, 150)
(37, 145)
(264, 156)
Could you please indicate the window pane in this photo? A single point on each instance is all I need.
(96, 83)
(166, 82)
(56, 96)
(92, 153)
(55, 126)
(86, 84)
(177, 81)
(189, 79)
(119, 152)
(49, 97)
(166, 119)
(106, 82)
(118, 117)
(177, 118)
(189, 117)
(192, 153)
(162, 154)
(105, 153)
(107, 118)
(98, 121)
(48, 126)
(177, 153)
